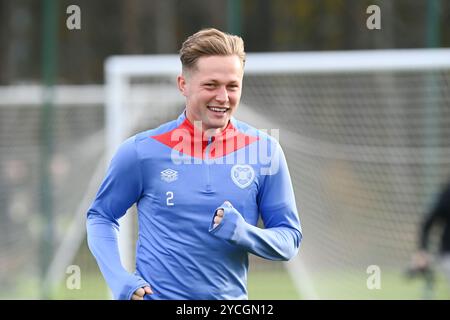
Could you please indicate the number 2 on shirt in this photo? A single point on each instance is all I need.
(169, 195)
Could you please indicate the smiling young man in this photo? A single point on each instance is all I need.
(197, 219)
(212, 87)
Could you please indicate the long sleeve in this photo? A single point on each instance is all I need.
(121, 188)
(280, 240)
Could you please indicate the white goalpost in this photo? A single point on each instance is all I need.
(367, 140)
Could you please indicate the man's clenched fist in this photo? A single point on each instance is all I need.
(218, 218)
(219, 214)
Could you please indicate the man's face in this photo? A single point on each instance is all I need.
(212, 90)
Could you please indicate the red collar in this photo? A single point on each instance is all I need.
(189, 140)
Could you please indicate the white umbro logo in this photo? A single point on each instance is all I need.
(169, 175)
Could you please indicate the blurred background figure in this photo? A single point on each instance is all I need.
(438, 219)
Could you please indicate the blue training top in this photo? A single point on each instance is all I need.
(178, 180)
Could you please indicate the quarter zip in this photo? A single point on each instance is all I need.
(207, 163)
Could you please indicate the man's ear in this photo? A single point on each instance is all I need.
(181, 81)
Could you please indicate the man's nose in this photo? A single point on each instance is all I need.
(222, 94)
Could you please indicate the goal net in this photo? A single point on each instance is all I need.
(74, 169)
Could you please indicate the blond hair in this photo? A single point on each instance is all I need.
(210, 42)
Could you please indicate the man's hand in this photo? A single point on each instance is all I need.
(218, 218)
(140, 293)
(227, 223)
(219, 214)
